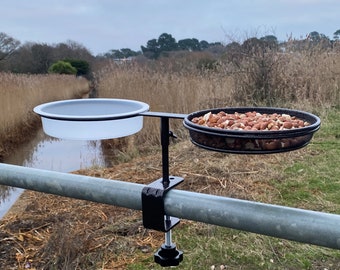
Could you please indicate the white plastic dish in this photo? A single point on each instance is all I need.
(91, 119)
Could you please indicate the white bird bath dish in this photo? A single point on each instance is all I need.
(92, 119)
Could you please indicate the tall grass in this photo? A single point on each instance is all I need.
(308, 80)
(20, 93)
(165, 92)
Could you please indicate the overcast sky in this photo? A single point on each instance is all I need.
(102, 25)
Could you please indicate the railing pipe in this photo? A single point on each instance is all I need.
(322, 229)
(82, 187)
(305, 226)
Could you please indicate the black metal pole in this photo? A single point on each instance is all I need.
(167, 255)
(165, 150)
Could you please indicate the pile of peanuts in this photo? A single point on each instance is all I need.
(251, 120)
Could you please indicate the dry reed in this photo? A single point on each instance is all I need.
(313, 80)
(20, 93)
(173, 92)
(307, 80)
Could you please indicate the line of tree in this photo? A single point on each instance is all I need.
(163, 44)
(167, 43)
(38, 58)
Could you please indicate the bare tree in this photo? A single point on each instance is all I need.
(8, 45)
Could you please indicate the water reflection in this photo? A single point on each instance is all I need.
(47, 153)
(8, 196)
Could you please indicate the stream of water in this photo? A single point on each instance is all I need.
(44, 152)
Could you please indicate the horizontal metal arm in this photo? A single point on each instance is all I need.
(164, 114)
(299, 225)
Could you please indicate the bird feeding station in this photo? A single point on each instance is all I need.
(96, 119)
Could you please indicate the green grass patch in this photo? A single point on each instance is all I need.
(210, 247)
(313, 182)
(310, 181)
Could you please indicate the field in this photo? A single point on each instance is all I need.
(307, 82)
(52, 232)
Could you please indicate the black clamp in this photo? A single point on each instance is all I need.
(153, 204)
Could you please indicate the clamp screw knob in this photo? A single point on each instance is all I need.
(168, 256)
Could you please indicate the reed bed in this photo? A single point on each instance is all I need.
(310, 80)
(306, 80)
(164, 92)
(20, 93)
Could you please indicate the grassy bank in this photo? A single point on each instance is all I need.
(21, 93)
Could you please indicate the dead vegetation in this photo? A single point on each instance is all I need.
(20, 93)
(52, 232)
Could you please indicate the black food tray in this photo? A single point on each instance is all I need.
(252, 142)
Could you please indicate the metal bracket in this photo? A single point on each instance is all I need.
(153, 204)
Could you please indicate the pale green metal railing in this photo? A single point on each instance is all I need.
(322, 229)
